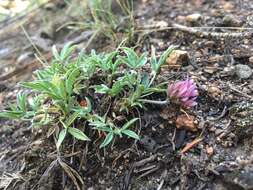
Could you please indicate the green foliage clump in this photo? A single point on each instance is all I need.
(95, 91)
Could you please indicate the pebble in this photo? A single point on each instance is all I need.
(243, 71)
(209, 150)
(218, 132)
(177, 58)
(251, 59)
(193, 17)
(24, 57)
(231, 21)
(214, 91)
(228, 6)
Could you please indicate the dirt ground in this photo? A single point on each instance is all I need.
(213, 151)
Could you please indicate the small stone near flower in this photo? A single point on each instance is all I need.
(177, 58)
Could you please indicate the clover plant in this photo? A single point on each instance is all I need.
(96, 88)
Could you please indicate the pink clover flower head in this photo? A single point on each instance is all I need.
(184, 92)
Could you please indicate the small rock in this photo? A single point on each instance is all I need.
(216, 59)
(249, 20)
(24, 57)
(210, 70)
(161, 24)
(186, 122)
(4, 52)
(193, 17)
(231, 21)
(218, 132)
(180, 18)
(228, 6)
(210, 44)
(177, 58)
(243, 71)
(214, 91)
(209, 150)
(251, 59)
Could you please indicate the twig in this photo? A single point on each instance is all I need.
(149, 172)
(240, 92)
(202, 34)
(224, 111)
(188, 146)
(157, 27)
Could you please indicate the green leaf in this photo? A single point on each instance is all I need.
(131, 134)
(21, 102)
(36, 85)
(88, 104)
(61, 137)
(56, 53)
(12, 114)
(66, 51)
(71, 119)
(132, 60)
(145, 80)
(117, 87)
(165, 55)
(101, 128)
(142, 60)
(102, 89)
(129, 123)
(78, 134)
(62, 90)
(72, 76)
(107, 140)
(153, 60)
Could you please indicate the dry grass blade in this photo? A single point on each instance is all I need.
(7, 179)
(71, 173)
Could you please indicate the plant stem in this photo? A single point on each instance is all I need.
(152, 80)
(164, 102)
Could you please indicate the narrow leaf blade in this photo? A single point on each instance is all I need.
(107, 140)
(131, 134)
(61, 137)
(78, 134)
